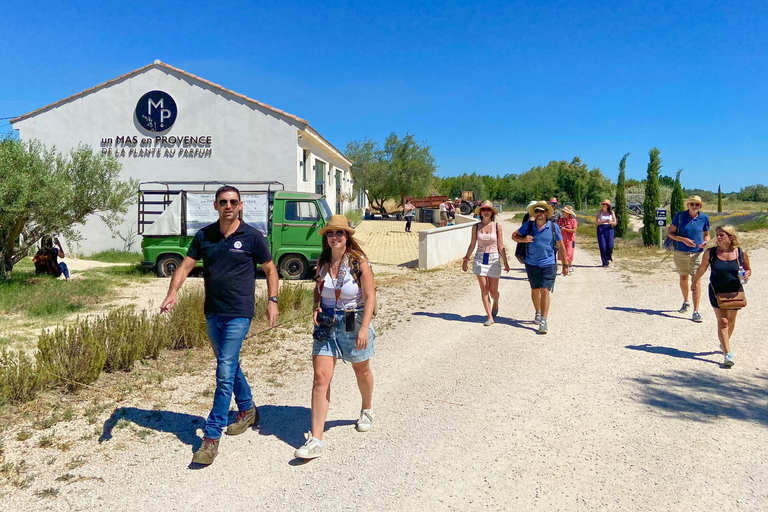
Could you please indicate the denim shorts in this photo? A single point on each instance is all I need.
(332, 339)
(541, 277)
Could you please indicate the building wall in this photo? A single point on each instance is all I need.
(247, 142)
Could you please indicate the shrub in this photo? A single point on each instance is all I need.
(122, 332)
(71, 355)
(186, 321)
(19, 379)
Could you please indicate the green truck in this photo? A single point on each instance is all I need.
(171, 212)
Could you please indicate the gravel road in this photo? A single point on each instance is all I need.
(624, 405)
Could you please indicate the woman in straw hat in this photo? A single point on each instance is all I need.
(568, 225)
(606, 220)
(730, 268)
(345, 298)
(488, 257)
(690, 229)
(544, 239)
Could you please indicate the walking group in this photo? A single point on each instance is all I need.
(547, 234)
(345, 296)
(344, 305)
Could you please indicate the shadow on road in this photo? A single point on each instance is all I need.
(289, 423)
(673, 352)
(478, 319)
(183, 426)
(706, 396)
(652, 312)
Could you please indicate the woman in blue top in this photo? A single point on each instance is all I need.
(543, 237)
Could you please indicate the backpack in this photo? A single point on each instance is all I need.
(44, 264)
(521, 251)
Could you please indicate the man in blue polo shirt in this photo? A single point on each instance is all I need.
(690, 229)
(230, 250)
(542, 236)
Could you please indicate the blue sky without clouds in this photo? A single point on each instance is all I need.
(492, 87)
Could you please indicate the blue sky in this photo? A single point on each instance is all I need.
(492, 87)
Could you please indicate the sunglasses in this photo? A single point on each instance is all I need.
(232, 202)
(485, 210)
(697, 205)
(539, 210)
(340, 233)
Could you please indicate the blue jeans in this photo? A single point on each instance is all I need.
(227, 334)
(64, 269)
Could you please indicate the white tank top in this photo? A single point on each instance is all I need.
(604, 216)
(351, 294)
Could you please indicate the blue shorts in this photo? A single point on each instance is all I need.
(332, 339)
(541, 277)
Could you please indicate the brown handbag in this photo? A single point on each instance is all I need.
(731, 300)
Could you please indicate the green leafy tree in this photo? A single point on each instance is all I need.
(622, 212)
(402, 168)
(719, 200)
(757, 193)
(651, 202)
(43, 192)
(677, 202)
(454, 185)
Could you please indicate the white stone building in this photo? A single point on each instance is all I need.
(164, 124)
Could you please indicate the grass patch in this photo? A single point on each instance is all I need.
(46, 296)
(23, 435)
(113, 256)
(48, 492)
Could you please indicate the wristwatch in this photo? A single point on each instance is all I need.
(273, 299)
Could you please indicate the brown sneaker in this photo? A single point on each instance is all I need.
(245, 419)
(207, 452)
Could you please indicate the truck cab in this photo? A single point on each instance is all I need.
(170, 213)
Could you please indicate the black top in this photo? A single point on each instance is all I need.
(229, 267)
(724, 275)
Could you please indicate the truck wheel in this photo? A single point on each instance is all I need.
(465, 208)
(294, 266)
(167, 265)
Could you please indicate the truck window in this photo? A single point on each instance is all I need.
(325, 209)
(300, 211)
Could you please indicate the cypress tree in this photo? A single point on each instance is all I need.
(651, 202)
(677, 204)
(719, 200)
(622, 212)
(577, 198)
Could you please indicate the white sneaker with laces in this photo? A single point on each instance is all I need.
(311, 449)
(728, 359)
(365, 423)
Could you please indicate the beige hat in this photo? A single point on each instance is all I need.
(486, 204)
(567, 209)
(541, 204)
(606, 201)
(337, 222)
(694, 199)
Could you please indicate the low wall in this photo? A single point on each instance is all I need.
(441, 245)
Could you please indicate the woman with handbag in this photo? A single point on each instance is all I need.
(730, 268)
(487, 263)
(345, 299)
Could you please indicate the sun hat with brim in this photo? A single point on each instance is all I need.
(606, 201)
(337, 222)
(486, 204)
(541, 204)
(694, 199)
(568, 210)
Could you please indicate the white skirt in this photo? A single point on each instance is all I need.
(490, 269)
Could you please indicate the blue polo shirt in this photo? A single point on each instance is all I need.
(540, 251)
(690, 227)
(229, 268)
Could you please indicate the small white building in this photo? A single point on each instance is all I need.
(164, 124)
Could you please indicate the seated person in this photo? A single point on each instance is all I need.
(47, 259)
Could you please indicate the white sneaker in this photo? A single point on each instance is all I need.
(311, 449)
(728, 359)
(365, 423)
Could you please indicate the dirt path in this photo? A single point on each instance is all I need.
(622, 406)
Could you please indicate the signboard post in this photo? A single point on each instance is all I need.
(661, 221)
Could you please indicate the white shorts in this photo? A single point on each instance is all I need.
(491, 268)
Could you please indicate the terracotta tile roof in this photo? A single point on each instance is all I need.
(158, 64)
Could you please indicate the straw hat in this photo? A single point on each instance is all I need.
(541, 204)
(606, 201)
(567, 209)
(337, 222)
(694, 199)
(486, 204)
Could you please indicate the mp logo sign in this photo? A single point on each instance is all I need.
(156, 111)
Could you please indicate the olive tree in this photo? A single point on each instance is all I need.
(43, 192)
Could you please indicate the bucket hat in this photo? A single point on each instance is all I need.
(541, 204)
(486, 204)
(337, 222)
